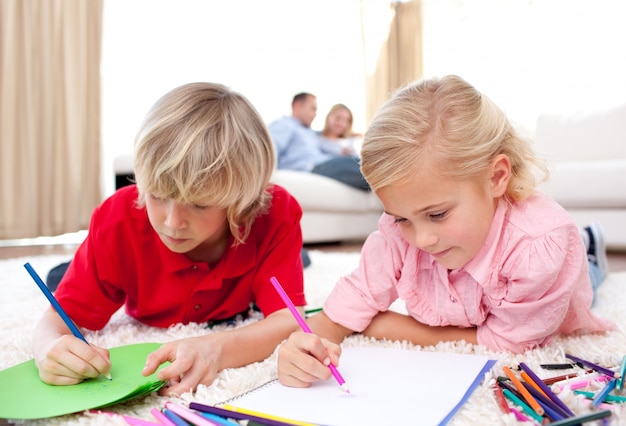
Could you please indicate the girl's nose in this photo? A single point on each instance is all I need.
(423, 239)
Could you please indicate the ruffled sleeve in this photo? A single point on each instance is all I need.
(543, 288)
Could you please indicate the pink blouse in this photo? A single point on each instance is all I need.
(528, 282)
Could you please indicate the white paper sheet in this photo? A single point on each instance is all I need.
(387, 386)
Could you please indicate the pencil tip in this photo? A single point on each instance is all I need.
(108, 376)
(345, 388)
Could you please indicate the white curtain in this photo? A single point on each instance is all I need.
(49, 115)
(392, 45)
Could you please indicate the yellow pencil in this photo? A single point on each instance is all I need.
(266, 416)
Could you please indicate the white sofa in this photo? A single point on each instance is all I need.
(587, 158)
(331, 211)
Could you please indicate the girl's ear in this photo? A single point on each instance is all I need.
(500, 175)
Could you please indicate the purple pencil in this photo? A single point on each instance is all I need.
(593, 366)
(546, 389)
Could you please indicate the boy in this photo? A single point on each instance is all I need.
(195, 240)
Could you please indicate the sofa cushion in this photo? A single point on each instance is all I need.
(598, 135)
(322, 194)
(588, 184)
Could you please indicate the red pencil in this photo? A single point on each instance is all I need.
(497, 390)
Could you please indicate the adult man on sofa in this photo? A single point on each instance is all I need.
(298, 147)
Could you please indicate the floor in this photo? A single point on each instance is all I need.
(616, 260)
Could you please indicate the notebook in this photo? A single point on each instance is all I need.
(25, 396)
(387, 386)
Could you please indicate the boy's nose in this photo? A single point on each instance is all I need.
(174, 218)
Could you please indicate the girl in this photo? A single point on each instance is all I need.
(466, 241)
(195, 240)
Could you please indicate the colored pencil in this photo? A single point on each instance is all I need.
(622, 370)
(190, 416)
(593, 366)
(522, 390)
(601, 396)
(609, 398)
(283, 295)
(584, 382)
(230, 414)
(552, 380)
(161, 418)
(583, 418)
(219, 420)
(551, 410)
(174, 418)
(562, 366)
(519, 416)
(57, 307)
(529, 380)
(527, 409)
(500, 400)
(132, 421)
(267, 416)
(545, 389)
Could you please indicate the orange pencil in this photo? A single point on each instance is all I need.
(521, 389)
(531, 382)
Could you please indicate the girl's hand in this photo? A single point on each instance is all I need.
(304, 359)
(194, 361)
(68, 361)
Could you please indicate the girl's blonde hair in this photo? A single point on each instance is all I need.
(348, 132)
(447, 126)
(203, 143)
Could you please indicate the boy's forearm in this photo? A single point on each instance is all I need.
(256, 341)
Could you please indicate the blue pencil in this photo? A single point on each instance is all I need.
(55, 304)
(601, 396)
(174, 418)
(619, 385)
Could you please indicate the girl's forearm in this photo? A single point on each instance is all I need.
(395, 326)
(323, 326)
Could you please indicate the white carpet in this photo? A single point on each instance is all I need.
(22, 304)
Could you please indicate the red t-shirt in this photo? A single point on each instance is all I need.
(123, 261)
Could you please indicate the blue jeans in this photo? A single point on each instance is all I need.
(345, 169)
(596, 278)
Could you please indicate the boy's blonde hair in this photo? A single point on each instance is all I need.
(202, 142)
(445, 125)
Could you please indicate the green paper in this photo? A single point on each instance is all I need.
(25, 396)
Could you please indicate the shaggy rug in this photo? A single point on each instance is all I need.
(23, 303)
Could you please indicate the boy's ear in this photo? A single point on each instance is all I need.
(500, 175)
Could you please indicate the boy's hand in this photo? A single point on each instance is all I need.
(194, 361)
(304, 359)
(69, 361)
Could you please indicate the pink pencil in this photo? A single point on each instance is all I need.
(583, 383)
(305, 328)
(162, 418)
(133, 421)
(194, 418)
(519, 416)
